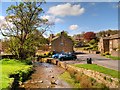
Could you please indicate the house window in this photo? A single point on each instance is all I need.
(61, 43)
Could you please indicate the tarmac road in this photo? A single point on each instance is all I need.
(100, 60)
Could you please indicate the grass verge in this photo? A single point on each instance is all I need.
(113, 57)
(10, 67)
(101, 69)
(66, 76)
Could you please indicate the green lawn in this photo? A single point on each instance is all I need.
(113, 57)
(98, 68)
(66, 76)
(11, 67)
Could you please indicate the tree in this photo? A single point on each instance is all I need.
(5, 45)
(89, 36)
(22, 21)
(107, 33)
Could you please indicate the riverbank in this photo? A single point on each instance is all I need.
(12, 70)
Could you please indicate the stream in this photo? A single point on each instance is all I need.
(46, 76)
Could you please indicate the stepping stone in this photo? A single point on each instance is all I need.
(53, 82)
(51, 71)
(40, 81)
(52, 76)
(31, 82)
(48, 86)
(22, 86)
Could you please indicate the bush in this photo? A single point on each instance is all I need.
(104, 54)
(85, 82)
(107, 53)
(12, 68)
(78, 77)
(93, 41)
(28, 61)
(72, 72)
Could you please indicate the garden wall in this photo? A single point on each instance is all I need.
(90, 51)
(115, 53)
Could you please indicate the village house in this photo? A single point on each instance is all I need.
(110, 44)
(0, 46)
(103, 44)
(62, 43)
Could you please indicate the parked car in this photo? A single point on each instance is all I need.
(68, 56)
(55, 55)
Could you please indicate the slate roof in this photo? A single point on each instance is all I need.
(115, 36)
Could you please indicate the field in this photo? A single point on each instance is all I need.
(9, 67)
(98, 68)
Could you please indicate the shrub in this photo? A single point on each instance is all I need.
(85, 82)
(93, 81)
(104, 54)
(12, 68)
(72, 72)
(28, 62)
(93, 41)
(78, 77)
(107, 53)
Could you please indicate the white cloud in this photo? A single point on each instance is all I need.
(58, 20)
(2, 20)
(92, 3)
(73, 27)
(51, 19)
(66, 10)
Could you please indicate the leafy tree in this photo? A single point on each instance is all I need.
(93, 41)
(5, 45)
(89, 36)
(107, 32)
(22, 24)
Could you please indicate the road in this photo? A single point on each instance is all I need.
(100, 60)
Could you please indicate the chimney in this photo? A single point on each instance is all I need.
(107, 35)
(62, 32)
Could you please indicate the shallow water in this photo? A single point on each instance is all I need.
(46, 76)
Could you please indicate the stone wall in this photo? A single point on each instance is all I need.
(99, 77)
(90, 51)
(115, 53)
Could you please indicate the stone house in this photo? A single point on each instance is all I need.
(0, 46)
(103, 44)
(110, 44)
(114, 45)
(62, 43)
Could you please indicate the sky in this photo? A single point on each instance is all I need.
(76, 17)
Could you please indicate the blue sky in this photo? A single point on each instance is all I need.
(77, 17)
